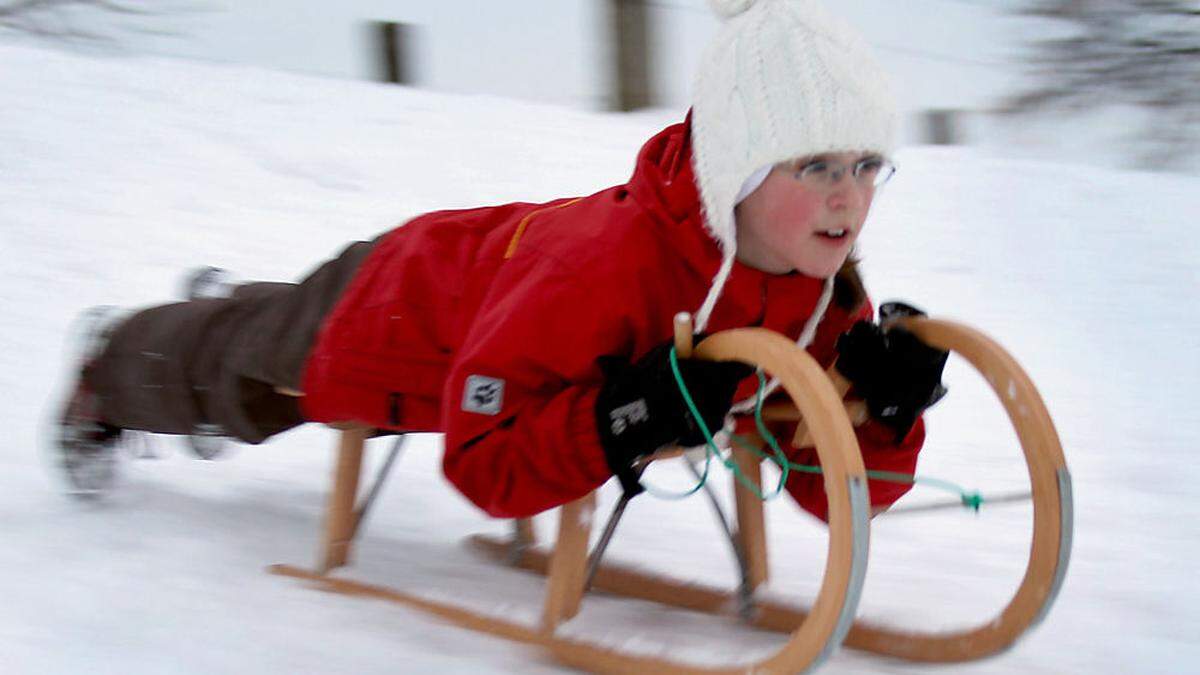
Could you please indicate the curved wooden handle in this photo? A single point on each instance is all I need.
(845, 488)
(786, 412)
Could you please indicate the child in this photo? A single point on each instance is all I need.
(536, 336)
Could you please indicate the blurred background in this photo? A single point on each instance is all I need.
(1048, 195)
(1106, 82)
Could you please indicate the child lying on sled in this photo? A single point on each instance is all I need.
(527, 333)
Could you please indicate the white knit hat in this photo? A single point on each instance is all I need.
(782, 79)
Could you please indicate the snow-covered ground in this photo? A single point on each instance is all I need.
(118, 175)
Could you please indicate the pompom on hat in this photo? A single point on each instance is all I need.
(782, 79)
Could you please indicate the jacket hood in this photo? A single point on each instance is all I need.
(664, 183)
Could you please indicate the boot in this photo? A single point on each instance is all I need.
(84, 446)
(208, 282)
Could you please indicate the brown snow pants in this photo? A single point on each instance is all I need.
(184, 367)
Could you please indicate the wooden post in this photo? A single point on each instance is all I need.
(393, 43)
(340, 517)
(941, 127)
(751, 525)
(631, 54)
(568, 566)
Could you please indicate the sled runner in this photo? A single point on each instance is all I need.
(815, 631)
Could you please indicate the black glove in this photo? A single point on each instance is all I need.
(640, 408)
(895, 373)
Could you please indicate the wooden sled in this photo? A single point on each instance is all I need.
(815, 631)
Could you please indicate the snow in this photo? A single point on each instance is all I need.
(117, 175)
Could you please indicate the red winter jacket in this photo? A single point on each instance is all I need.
(486, 324)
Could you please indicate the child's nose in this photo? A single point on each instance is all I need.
(845, 194)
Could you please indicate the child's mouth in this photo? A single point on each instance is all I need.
(833, 234)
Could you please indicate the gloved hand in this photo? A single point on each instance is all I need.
(640, 408)
(897, 375)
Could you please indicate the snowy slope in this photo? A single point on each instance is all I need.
(118, 175)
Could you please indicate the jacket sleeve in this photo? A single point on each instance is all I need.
(518, 402)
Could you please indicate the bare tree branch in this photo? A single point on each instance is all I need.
(59, 19)
(14, 7)
(1141, 53)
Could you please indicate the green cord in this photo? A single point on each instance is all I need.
(711, 450)
(970, 499)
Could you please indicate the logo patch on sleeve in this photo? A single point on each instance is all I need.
(483, 395)
(628, 415)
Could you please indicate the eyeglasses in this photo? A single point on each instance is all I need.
(823, 172)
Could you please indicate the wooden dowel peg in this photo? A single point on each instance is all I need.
(683, 335)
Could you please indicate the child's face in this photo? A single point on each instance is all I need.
(806, 215)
